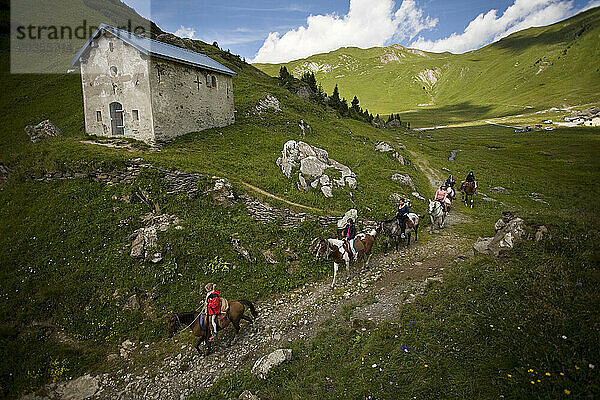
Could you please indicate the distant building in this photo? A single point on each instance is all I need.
(140, 88)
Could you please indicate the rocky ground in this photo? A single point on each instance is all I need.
(374, 293)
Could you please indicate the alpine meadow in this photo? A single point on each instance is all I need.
(107, 242)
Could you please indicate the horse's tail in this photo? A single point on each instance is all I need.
(249, 304)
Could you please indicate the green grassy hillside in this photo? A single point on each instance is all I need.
(65, 265)
(544, 67)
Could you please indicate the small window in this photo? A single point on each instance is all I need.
(111, 46)
(208, 81)
(99, 116)
(113, 71)
(214, 81)
(136, 115)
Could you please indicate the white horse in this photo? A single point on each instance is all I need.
(436, 213)
(451, 193)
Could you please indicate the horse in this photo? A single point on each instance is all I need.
(436, 213)
(468, 193)
(451, 193)
(191, 320)
(392, 229)
(341, 252)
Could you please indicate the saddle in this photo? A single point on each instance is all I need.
(222, 321)
(358, 245)
(409, 223)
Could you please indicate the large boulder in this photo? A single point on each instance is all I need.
(268, 103)
(81, 388)
(289, 157)
(350, 214)
(404, 180)
(43, 130)
(222, 193)
(508, 231)
(266, 363)
(383, 147)
(500, 190)
(313, 162)
(312, 167)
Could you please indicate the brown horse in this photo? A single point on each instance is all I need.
(468, 193)
(341, 253)
(191, 320)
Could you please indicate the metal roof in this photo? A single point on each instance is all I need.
(156, 48)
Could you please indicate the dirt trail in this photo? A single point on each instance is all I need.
(374, 294)
(264, 193)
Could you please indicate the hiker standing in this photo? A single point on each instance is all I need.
(213, 306)
(349, 234)
(402, 216)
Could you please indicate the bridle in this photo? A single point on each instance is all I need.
(181, 323)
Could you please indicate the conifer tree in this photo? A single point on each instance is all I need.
(354, 103)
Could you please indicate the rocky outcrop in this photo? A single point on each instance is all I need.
(266, 363)
(509, 229)
(144, 239)
(81, 388)
(385, 147)
(237, 246)
(314, 165)
(500, 190)
(222, 193)
(43, 130)
(268, 103)
(404, 180)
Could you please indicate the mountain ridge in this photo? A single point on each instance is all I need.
(539, 67)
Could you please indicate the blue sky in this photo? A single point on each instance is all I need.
(283, 30)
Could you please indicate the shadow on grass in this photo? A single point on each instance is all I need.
(452, 113)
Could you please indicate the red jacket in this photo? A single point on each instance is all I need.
(214, 303)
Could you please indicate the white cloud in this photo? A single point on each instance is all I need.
(368, 23)
(489, 27)
(185, 32)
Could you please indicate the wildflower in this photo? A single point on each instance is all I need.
(547, 373)
(567, 392)
(576, 367)
(530, 370)
(532, 382)
(518, 327)
(509, 375)
(374, 366)
(491, 325)
(426, 366)
(563, 336)
(562, 374)
(591, 366)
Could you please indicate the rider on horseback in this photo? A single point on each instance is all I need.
(470, 179)
(402, 216)
(440, 195)
(349, 234)
(450, 181)
(213, 306)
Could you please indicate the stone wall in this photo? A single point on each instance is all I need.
(187, 182)
(127, 84)
(182, 102)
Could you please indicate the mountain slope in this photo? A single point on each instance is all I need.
(541, 67)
